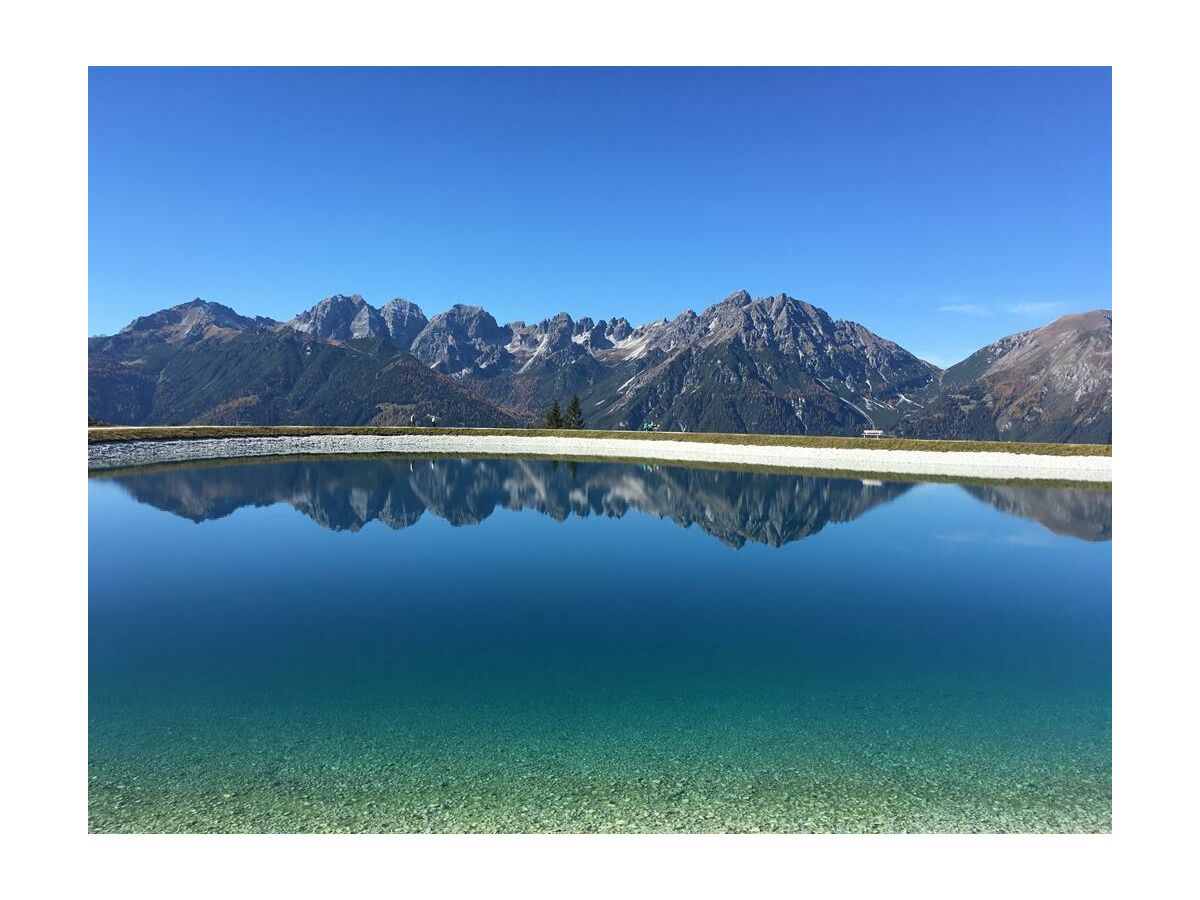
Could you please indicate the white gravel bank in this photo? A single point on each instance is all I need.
(905, 462)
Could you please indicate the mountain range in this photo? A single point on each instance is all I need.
(1049, 384)
(775, 365)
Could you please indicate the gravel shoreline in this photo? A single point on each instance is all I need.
(902, 462)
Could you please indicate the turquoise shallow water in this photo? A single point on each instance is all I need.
(458, 645)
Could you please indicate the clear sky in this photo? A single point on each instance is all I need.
(942, 208)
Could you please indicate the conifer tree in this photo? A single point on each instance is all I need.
(574, 416)
(553, 417)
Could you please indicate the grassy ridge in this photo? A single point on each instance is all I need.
(191, 432)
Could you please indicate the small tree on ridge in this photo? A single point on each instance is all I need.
(574, 416)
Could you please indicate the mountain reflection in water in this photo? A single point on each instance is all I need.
(345, 494)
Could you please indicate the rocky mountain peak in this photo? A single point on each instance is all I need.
(1052, 383)
(559, 330)
(618, 329)
(403, 320)
(341, 318)
(591, 334)
(461, 341)
(400, 307)
(193, 318)
(475, 320)
(738, 298)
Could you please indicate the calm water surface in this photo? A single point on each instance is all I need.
(405, 644)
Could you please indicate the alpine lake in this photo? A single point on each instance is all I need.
(400, 644)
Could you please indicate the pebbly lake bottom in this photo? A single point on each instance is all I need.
(407, 645)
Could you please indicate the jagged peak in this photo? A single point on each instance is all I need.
(400, 303)
(558, 319)
(331, 302)
(356, 299)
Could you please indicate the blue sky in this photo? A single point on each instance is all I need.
(942, 208)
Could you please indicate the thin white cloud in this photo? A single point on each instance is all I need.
(966, 309)
(1026, 540)
(962, 537)
(1018, 539)
(1038, 308)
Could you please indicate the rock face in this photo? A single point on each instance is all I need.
(341, 318)
(461, 341)
(774, 365)
(1050, 384)
(403, 321)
